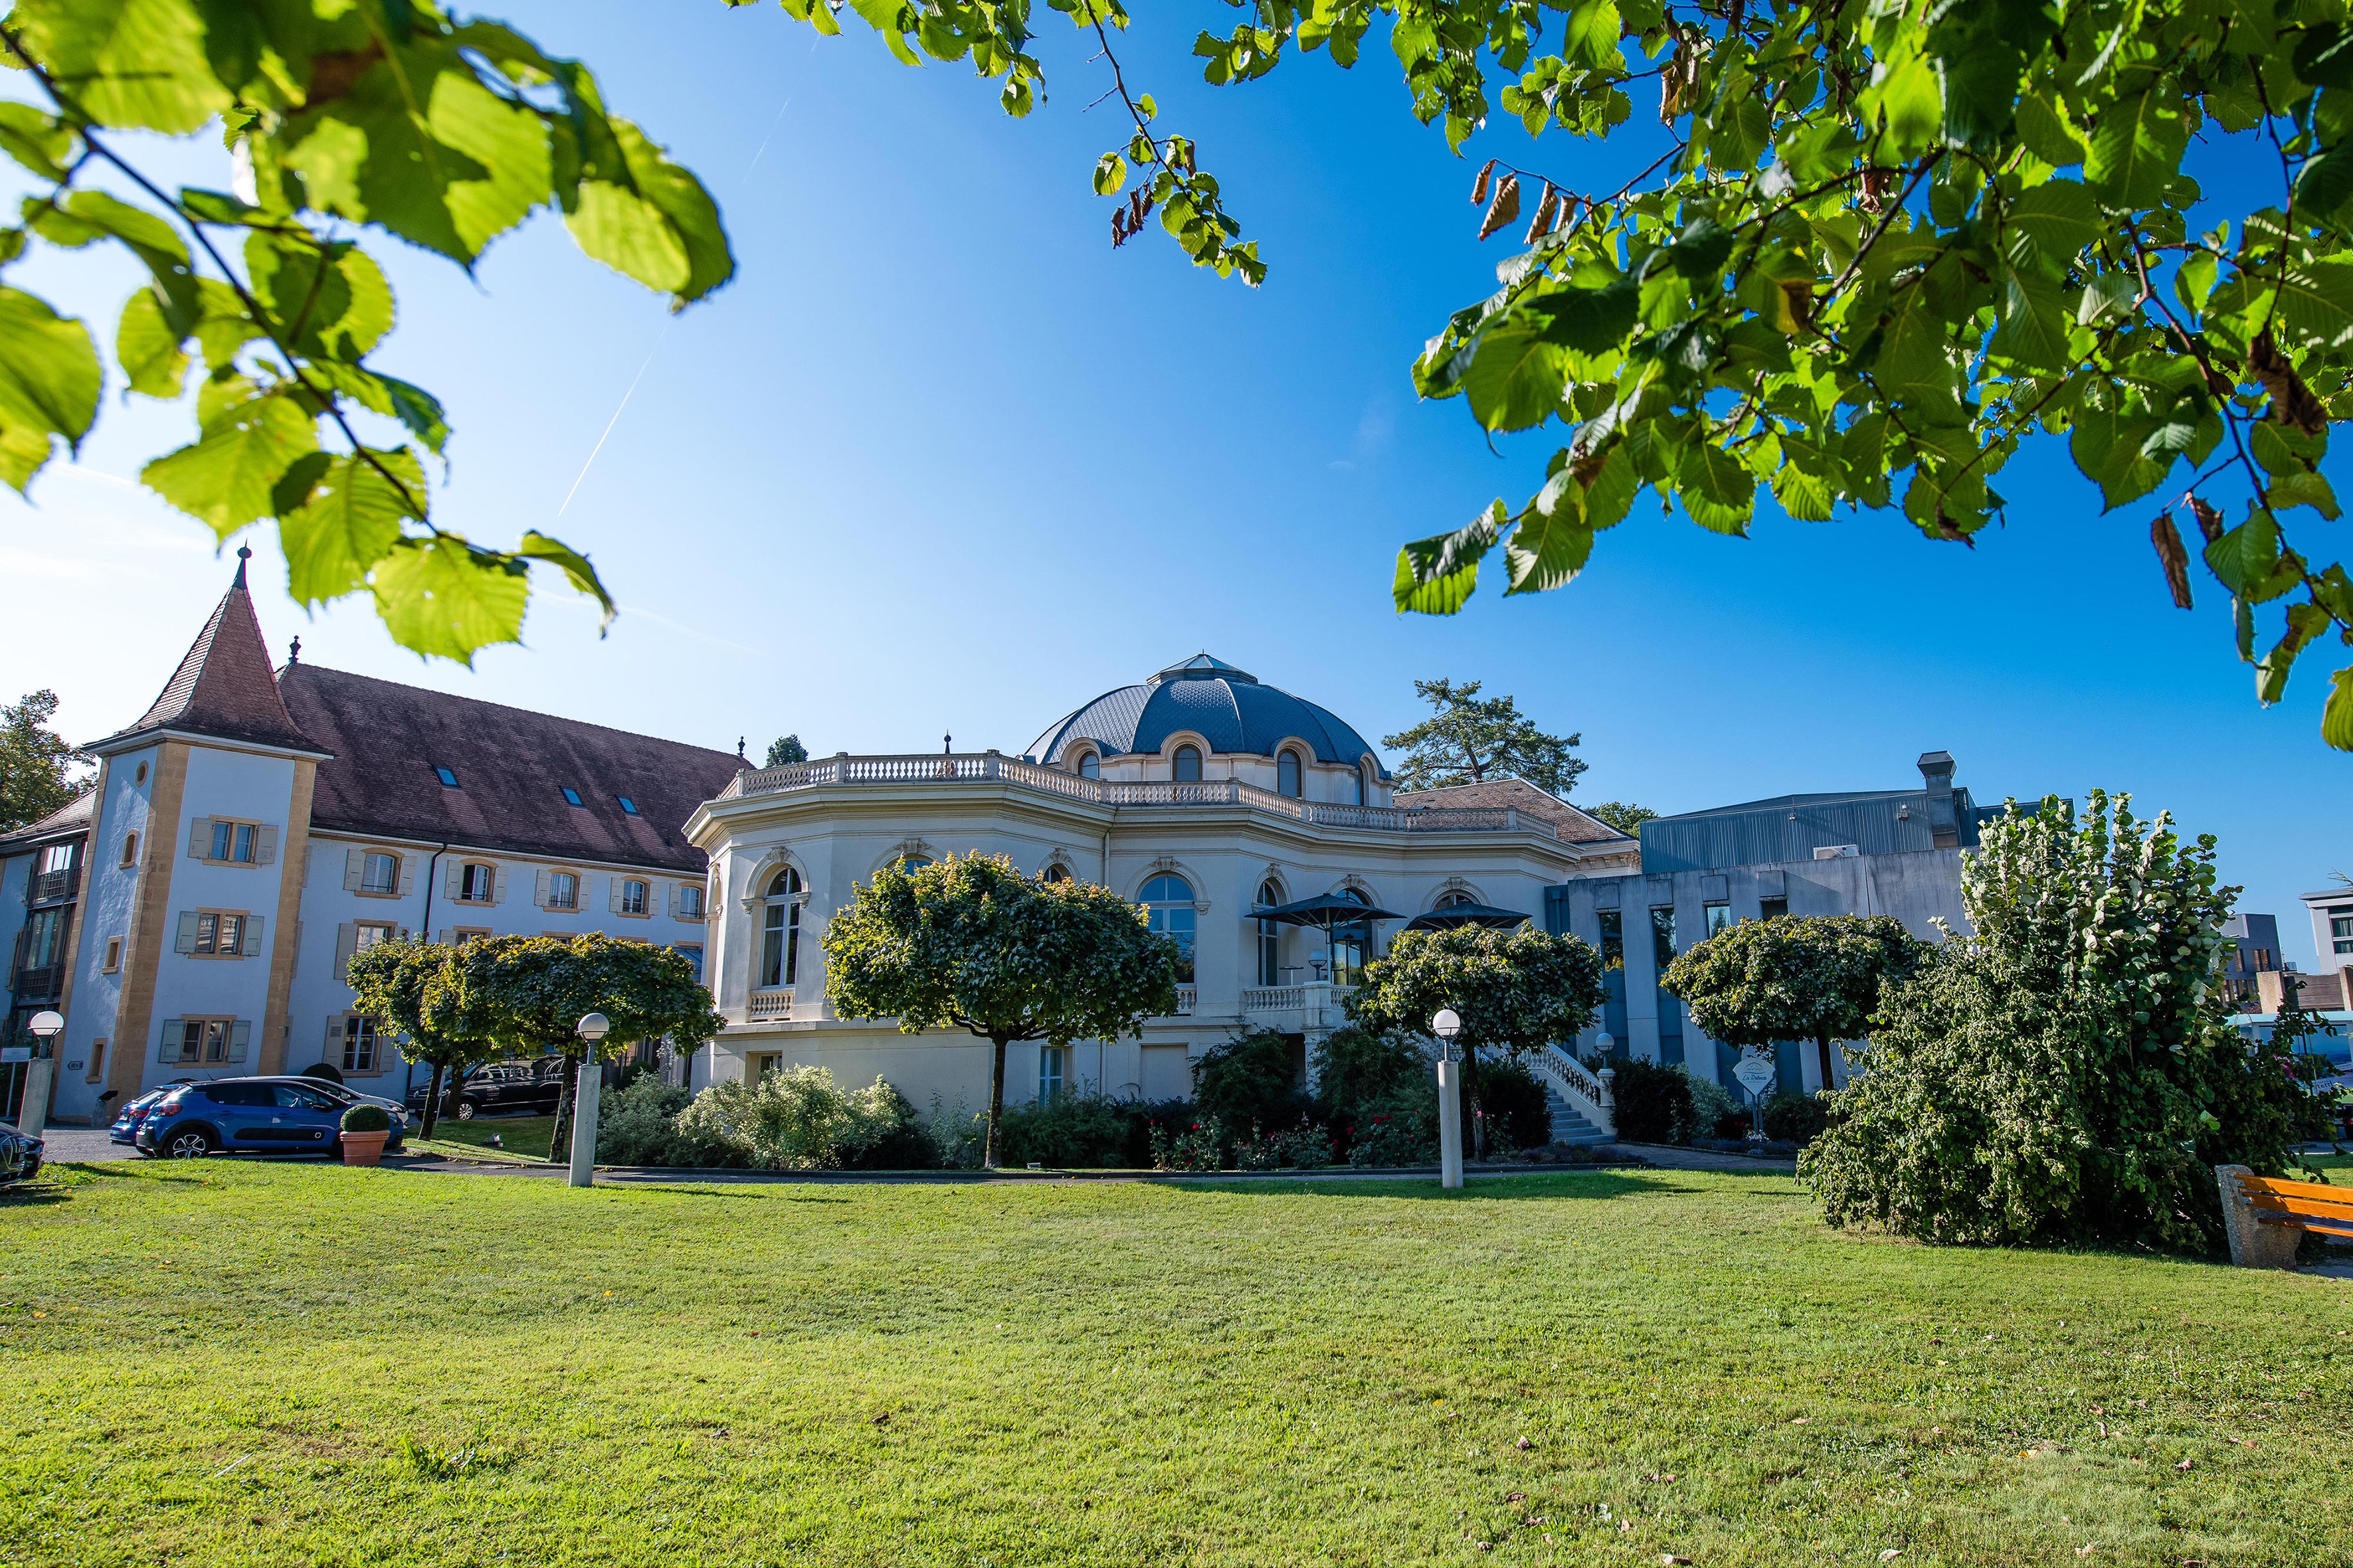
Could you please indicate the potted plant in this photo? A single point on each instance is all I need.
(365, 1127)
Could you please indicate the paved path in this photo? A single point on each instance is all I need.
(1666, 1156)
(82, 1144)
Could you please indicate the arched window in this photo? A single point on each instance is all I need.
(1090, 765)
(1364, 796)
(1270, 935)
(780, 945)
(1352, 946)
(1448, 900)
(1170, 901)
(1189, 765)
(1286, 775)
(912, 862)
(1056, 872)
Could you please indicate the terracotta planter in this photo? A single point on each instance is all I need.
(364, 1148)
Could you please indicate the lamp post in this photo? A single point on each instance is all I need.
(1446, 1025)
(585, 1087)
(33, 1112)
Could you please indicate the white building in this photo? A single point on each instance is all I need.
(1202, 793)
(255, 828)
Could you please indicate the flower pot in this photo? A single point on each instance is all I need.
(364, 1148)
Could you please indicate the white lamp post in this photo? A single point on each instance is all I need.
(585, 1083)
(33, 1114)
(1446, 1025)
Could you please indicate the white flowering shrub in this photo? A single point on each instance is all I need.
(794, 1119)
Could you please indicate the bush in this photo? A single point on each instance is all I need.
(906, 1145)
(1403, 1131)
(1187, 1146)
(325, 1072)
(1795, 1117)
(1513, 1102)
(1715, 1114)
(794, 1119)
(1302, 1146)
(1249, 1078)
(1077, 1131)
(1359, 1070)
(1653, 1103)
(367, 1118)
(637, 1124)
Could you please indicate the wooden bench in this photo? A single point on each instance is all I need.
(2265, 1217)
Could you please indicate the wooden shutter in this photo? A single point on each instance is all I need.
(251, 946)
(334, 1048)
(185, 942)
(613, 892)
(408, 874)
(670, 897)
(354, 868)
(265, 846)
(200, 838)
(347, 942)
(498, 884)
(443, 936)
(540, 896)
(453, 881)
(168, 1050)
(238, 1033)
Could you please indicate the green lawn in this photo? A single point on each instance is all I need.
(525, 1135)
(241, 1364)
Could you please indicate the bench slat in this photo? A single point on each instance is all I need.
(2339, 1210)
(2326, 1226)
(2281, 1187)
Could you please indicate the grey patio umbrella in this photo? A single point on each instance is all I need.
(1453, 915)
(1325, 911)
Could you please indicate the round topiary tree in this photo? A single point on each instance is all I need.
(2068, 1073)
(1804, 977)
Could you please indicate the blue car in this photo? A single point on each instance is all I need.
(125, 1130)
(279, 1116)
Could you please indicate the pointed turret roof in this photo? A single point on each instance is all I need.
(224, 688)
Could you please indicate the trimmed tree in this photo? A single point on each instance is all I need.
(1517, 991)
(1804, 977)
(529, 993)
(970, 942)
(2069, 1072)
(403, 987)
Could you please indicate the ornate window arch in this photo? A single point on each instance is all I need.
(1269, 943)
(1173, 907)
(1085, 759)
(782, 896)
(912, 854)
(1290, 772)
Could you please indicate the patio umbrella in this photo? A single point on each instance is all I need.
(1325, 911)
(1453, 915)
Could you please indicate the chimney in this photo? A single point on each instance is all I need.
(1944, 822)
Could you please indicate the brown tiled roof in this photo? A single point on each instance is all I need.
(512, 768)
(1571, 824)
(71, 818)
(223, 687)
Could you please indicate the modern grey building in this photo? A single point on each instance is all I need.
(1862, 852)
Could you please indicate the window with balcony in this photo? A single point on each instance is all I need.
(780, 936)
(1188, 764)
(1270, 937)
(1286, 775)
(563, 890)
(1169, 902)
(43, 943)
(633, 896)
(690, 901)
(55, 858)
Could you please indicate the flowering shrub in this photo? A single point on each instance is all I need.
(794, 1119)
(1284, 1149)
(1186, 1146)
(1394, 1138)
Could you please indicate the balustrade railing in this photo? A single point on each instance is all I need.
(775, 1002)
(994, 767)
(52, 887)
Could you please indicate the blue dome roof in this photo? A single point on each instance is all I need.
(1230, 708)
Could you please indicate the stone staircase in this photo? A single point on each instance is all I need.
(1569, 1125)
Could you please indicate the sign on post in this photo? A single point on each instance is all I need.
(1757, 1074)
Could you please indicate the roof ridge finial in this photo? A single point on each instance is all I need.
(294, 654)
(243, 555)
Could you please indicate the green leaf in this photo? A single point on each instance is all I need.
(1700, 251)
(147, 348)
(2315, 301)
(1550, 546)
(1805, 496)
(2106, 446)
(658, 224)
(326, 300)
(1591, 36)
(348, 523)
(2336, 717)
(50, 379)
(442, 598)
(1908, 102)
(2244, 559)
(125, 62)
(537, 546)
(2033, 330)
(85, 216)
(1516, 377)
(1589, 320)
(2303, 487)
(1435, 575)
(2324, 56)
(2046, 133)
(1111, 174)
(1610, 492)
(227, 477)
(2049, 223)
(2136, 150)
(2305, 622)
(412, 405)
(1718, 491)
(41, 143)
(2324, 184)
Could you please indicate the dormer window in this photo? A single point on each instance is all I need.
(447, 776)
(1286, 775)
(1188, 764)
(628, 805)
(1090, 765)
(571, 796)
(1363, 795)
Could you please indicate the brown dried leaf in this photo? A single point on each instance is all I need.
(1479, 186)
(2293, 403)
(1506, 206)
(2176, 560)
(2210, 524)
(1541, 224)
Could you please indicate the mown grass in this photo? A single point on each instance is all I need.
(520, 1135)
(237, 1364)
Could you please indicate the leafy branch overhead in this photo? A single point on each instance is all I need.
(1884, 241)
(340, 117)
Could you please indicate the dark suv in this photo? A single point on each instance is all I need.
(515, 1088)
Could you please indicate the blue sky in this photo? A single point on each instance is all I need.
(941, 460)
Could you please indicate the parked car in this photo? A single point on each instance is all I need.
(20, 1155)
(341, 1091)
(270, 1115)
(135, 1111)
(507, 1089)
